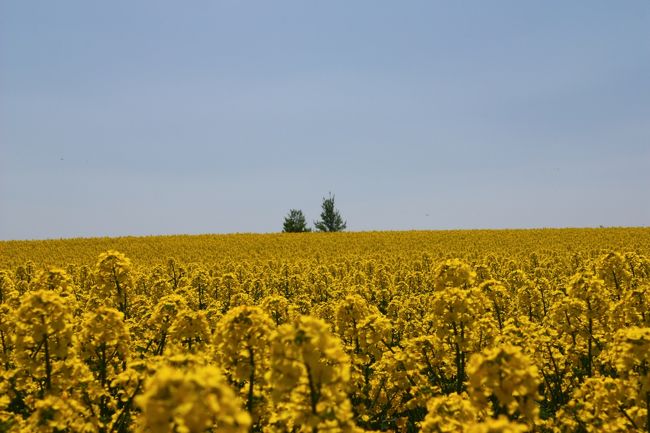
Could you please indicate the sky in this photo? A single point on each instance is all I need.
(167, 117)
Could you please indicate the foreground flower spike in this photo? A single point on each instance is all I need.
(242, 346)
(454, 273)
(114, 279)
(603, 404)
(310, 373)
(449, 414)
(191, 401)
(103, 343)
(44, 336)
(504, 381)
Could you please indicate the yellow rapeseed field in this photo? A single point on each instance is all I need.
(445, 331)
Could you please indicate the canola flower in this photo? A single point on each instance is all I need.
(476, 332)
(190, 401)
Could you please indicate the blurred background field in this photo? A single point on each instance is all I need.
(208, 249)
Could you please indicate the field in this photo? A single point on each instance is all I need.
(444, 331)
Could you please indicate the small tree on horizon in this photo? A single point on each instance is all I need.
(331, 220)
(295, 222)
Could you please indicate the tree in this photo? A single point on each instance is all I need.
(331, 220)
(295, 222)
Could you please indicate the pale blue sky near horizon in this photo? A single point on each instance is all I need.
(162, 117)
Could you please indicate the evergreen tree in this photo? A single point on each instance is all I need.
(295, 222)
(331, 220)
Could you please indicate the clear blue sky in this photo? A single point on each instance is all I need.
(160, 117)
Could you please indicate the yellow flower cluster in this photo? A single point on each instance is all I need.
(190, 401)
(482, 331)
(504, 381)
